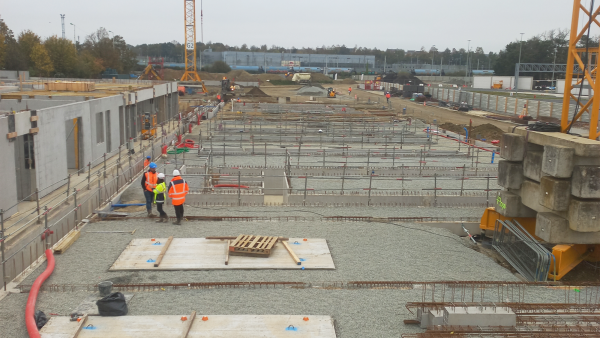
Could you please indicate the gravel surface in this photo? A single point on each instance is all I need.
(357, 313)
(360, 251)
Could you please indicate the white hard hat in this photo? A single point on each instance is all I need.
(161, 175)
(176, 172)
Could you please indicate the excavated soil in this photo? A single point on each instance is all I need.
(256, 92)
(486, 131)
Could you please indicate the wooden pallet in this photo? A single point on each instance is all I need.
(250, 245)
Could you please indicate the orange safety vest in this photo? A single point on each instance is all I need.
(146, 162)
(151, 179)
(349, 89)
(178, 188)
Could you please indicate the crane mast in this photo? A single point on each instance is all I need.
(191, 73)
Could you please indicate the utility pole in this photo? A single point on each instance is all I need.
(74, 41)
(519, 65)
(467, 68)
(553, 66)
(62, 21)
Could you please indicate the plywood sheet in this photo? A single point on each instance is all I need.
(236, 326)
(203, 254)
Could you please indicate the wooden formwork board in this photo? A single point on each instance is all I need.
(203, 254)
(221, 326)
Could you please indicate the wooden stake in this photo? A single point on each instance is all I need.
(291, 252)
(188, 325)
(227, 252)
(163, 252)
(81, 324)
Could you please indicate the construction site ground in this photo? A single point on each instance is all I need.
(375, 250)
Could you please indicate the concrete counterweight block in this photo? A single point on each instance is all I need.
(512, 147)
(532, 165)
(555, 229)
(510, 205)
(510, 174)
(555, 193)
(584, 215)
(558, 161)
(585, 182)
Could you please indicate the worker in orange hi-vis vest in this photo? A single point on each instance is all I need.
(178, 188)
(148, 184)
(349, 90)
(147, 161)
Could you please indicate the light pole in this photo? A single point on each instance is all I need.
(467, 65)
(113, 38)
(74, 41)
(520, 48)
(553, 66)
(432, 58)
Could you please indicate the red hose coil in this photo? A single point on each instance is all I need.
(35, 289)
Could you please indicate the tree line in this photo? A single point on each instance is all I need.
(58, 57)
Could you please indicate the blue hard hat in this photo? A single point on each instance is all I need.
(148, 157)
(152, 165)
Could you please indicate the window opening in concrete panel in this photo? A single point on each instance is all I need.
(28, 151)
(108, 132)
(99, 127)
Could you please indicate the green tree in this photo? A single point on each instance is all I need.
(41, 61)
(63, 55)
(2, 50)
(220, 67)
(27, 40)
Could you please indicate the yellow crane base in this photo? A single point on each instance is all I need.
(568, 256)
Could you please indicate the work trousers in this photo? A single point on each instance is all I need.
(159, 207)
(149, 198)
(179, 211)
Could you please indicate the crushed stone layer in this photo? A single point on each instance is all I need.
(356, 313)
(360, 251)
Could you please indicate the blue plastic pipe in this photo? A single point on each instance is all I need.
(128, 205)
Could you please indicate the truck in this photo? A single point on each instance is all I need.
(302, 78)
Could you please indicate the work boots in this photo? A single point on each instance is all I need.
(162, 219)
(150, 214)
(178, 222)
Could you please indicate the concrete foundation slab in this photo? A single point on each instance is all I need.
(555, 229)
(512, 147)
(480, 316)
(585, 182)
(509, 204)
(532, 165)
(558, 161)
(510, 174)
(584, 215)
(555, 193)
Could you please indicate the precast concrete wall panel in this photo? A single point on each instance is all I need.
(160, 89)
(482, 82)
(145, 94)
(31, 104)
(22, 123)
(50, 143)
(7, 167)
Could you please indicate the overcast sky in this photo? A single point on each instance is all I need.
(301, 23)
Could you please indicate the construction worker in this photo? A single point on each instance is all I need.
(349, 90)
(147, 161)
(160, 197)
(219, 97)
(178, 188)
(387, 96)
(148, 184)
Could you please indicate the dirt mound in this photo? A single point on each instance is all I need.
(270, 77)
(256, 92)
(349, 81)
(312, 91)
(485, 131)
(173, 74)
(318, 77)
(240, 75)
